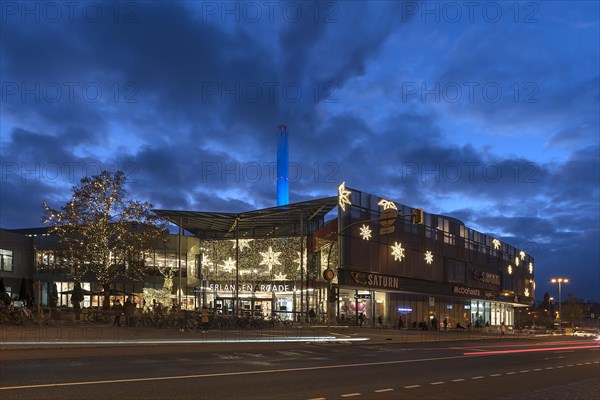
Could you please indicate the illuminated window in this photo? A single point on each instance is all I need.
(6, 260)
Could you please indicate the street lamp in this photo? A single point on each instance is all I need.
(560, 281)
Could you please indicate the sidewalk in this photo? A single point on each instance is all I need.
(70, 334)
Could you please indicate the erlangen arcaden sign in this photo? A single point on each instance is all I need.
(248, 287)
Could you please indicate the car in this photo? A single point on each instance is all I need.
(585, 333)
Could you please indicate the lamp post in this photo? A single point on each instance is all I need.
(560, 281)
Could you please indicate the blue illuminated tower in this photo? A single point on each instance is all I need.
(283, 191)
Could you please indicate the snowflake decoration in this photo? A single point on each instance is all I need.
(365, 232)
(516, 261)
(522, 255)
(243, 243)
(228, 265)
(387, 204)
(526, 292)
(428, 257)
(496, 243)
(304, 259)
(397, 251)
(270, 258)
(531, 268)
(206, 260)
(510, 269)
(343, 196)
(280, 277)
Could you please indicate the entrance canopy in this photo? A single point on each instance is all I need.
(281, 221)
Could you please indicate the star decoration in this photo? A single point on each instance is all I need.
(428, 257)
(496, 243)
(270, 258)
(343, 196)
(365, 232)
(387, 204)
(516, 261)
(280, 277)
(397, 251)
(228, 265)
(243, 243)
(304, 259)
(510, 269)
(522, 254)
(206, 260)
(531, 268)
(526, 292)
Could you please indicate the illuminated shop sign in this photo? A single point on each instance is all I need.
(260, 287)
(375, 280)
(404, 310)
(467, 291)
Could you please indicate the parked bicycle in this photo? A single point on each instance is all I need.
(10, 315)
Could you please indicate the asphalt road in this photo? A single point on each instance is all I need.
(519, 369)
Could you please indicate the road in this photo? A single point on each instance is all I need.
(517, 369)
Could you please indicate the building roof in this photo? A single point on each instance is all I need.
(278, 221)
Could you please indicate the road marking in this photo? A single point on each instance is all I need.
(537, 369)
(458, 380)
(579, 364)
(560, 366)
(569, 365)
(351, 394)
(412, 386)
(496, 375)
(549, 367)
(510, 373)
(478, 377)
(384, 390)
(437, 383)
(587, 363)
(318, 398)
(524, 371)
(220, 374)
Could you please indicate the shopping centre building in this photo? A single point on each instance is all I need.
(341, 256)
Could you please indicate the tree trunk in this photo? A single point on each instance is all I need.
(106, 302)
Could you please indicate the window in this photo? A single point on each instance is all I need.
(6, 260)
(455, 271)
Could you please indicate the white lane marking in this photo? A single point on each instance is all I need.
(260, 372)
(351, 394)
(524, 371)
(579, 364)
(478, 377)
(412, 386)
(587, 363)
(437, 383)
(537, 369)
(496, 375)
(560, 366)
(384, 390)
(569, 365)
(458, 380)
(318, 398)
(549, 367)
(510, 373)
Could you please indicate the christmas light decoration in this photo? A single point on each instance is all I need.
(304, 259)
(280, 277)
(517, 261)
(526, 292)
(270, 258)
(343, 196)
(510, 269)
(244, 243)
(522, 255)
(397, 251)
(387, 204)
(365, 232)
(496, 243)
(228, 265)
(531, 268)
(428, 257)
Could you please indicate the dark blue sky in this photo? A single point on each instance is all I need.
(484, 111)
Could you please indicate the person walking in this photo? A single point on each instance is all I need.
(445, 323)
(128, 310)
(204, 319)
(400, 323)
(118, 311)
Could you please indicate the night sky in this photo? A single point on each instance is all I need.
(484, 111)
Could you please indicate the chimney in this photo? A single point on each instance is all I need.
(283, 192)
